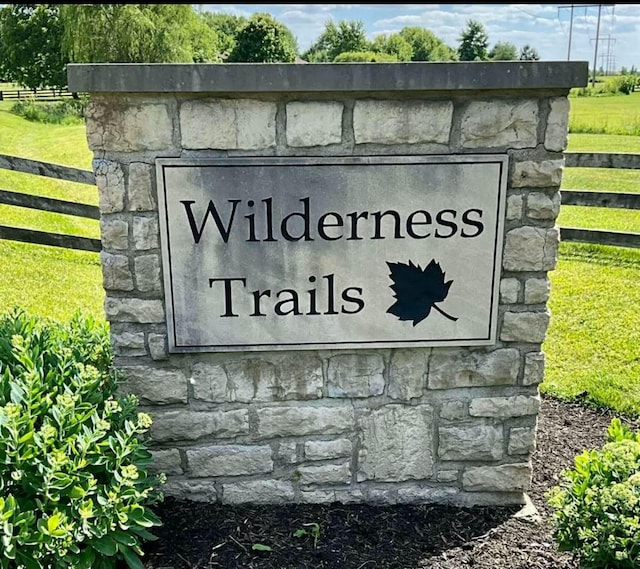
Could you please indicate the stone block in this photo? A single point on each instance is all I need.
(531, 249)
(525, 326)
(195, 490)
(447, 476)
(509, 291)
(229, 460)
(228, 124)
(500, 123)
(514, 208)
(301, 421)
(425, 495)
(156, 386)
(533, 368)
(503, 478)
(186, 425)
(134, 310)
(481, 442)
(158, 346)
(286, 452)
(402, 122)
(355, 375)
(541, 206)
(504, 407)
(128, 343)
(454, 410)
(536, 291)
(314, 123)
(139, 189)
(323, 496)
(258, 492)
(325, 450)
(452, 368)
(166, 461)
(408, 373)
(396, 443)
(114, 234)
(555, 138)
(522, 440)
(116, 274)
(126, 127)
(537, 174)
(325, 474)
(147, 270)
(110, 182)
(146, 234)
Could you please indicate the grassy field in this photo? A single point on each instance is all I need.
(606, 115)
(592, 343)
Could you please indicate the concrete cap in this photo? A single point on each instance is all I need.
(324, 77)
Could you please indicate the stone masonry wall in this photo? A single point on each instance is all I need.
(454, 425)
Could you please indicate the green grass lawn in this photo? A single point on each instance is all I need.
(618, 114)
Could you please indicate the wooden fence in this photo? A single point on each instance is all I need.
(35, 94)
(569, 197)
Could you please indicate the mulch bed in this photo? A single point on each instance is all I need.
(202, 536)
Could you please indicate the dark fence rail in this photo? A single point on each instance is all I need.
(601, 160)
(57, 172)
(35, 94)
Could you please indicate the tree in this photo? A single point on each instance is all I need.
(503, 51)
(31, 45)
(473, 42)
(226, 27)
(347, 36)
(365, 57)
(528, 53)
(137, 33)
(264, 39)
(426, 46)
(394, 45)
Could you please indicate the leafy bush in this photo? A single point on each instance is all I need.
(597, 506)
(365, 57)
(74, 490)
(621, 84)
(66, 111)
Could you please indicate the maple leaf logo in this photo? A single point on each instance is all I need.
(417, 290)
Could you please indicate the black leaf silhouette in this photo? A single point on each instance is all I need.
(417, 290)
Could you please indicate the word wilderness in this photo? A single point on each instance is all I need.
(293, 253)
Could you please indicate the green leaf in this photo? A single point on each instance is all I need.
(105, 545)
(133, 561)
(260, 547)
(87, 558)
(124, 538)
(76, 492)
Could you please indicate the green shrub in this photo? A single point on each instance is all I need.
(365, 57)
(597, 506)
(621, 84)
(66, 111)
(74, 490)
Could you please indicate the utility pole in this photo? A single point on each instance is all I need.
(595, 55)
(572, 6)
(570, 31)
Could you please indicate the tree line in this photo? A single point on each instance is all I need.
(37, 41)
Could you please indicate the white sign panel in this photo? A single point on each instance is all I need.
(345, 252)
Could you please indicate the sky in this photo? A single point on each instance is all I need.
(545, 27)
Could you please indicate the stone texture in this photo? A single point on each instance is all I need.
(325, 474)
(514, 208)
(147, 270)
(408, 373)
(114, 234)
(157, 346)
(522, 440)
(196, 490)
(425, 495)
(192, 425)
(146, 234)
(525, 326)
(314, 123)
(156, 386)
(287, 452)
(284, 377)
(504, 407)
(533, 368)
(139, 190)
(536, 291)
(229, 460)
(128, 343)
(324, 450)
(509, 291)
(300, 421)
(116, 274)
(542, 174)
(134, 310)
(500, 123)
(447, 476)
(126, 127)
(503, 478)
(332, 496)
(258, 492)
(531, 249)
(355, 375)
(451, 368)
(555, 138)
(482, 442)
(110, 182)
(167, 461)
(541, 206)
(397, 443)
(228, 124)
(402, 122)
(454, 410)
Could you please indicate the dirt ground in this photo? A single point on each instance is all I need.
(202, 536)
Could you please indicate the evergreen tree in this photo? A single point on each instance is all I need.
(473, 42)
(264, 39)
